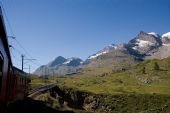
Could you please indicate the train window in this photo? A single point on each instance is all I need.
(1, 70)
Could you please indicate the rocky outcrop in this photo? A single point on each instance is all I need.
(80, 100)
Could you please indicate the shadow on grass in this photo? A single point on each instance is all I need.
(32, 106)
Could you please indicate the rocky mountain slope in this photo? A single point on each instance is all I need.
(109, 60)
(143, 46)
(150, 45)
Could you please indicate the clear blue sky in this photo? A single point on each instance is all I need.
(79, 28)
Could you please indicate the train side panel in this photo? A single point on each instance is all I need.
(20, 89)
(4, 73)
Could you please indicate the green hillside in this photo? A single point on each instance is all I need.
(141, 78)
(112, 62)
(144, 88)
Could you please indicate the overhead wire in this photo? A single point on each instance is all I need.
(16, 58)
(26, 53)
(16, 65)
(7, 20)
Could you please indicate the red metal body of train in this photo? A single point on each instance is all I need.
(13, 82)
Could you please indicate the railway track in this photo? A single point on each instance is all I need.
(33, 93)
(31, 105)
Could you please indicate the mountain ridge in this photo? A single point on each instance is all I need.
(144, 46)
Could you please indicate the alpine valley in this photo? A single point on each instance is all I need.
(123, 78)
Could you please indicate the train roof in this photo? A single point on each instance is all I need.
(3, 36)
(19, 72)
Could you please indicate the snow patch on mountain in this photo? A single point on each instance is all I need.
(143, 43)
(113, 46)
(107, 49)
(166, 44)
(135, 47)
(68, 61)
(81, 62)
(166, 35)
(154, 34)
(98, 54)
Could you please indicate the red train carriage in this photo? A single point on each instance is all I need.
(13, 82)
(6, 69)
(20, 85)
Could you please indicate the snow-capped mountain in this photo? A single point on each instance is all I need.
(60, 66)
(107, 49)
(57, 61)
(143, 46)
(143, 43)
(104, 51)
